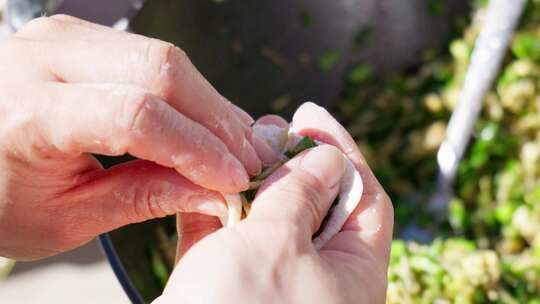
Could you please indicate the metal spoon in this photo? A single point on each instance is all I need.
(491, 46)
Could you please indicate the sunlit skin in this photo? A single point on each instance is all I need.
(69, 89)
(269, 257)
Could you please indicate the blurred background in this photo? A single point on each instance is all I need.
(392, 72)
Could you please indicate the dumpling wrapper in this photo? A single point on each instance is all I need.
(350, 191)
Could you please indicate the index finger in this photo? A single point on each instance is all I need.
(370, 226)
(157, 66)
(113, 119)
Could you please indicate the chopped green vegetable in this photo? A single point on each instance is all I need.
(328, 60)
(480, 3)
(457, 216)
(159, 267)
(504, 213)
(526, 45)
(306, 18)
(280, 103)
(360, 74)
(304, 144)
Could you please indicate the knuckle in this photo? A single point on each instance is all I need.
(37, 26)
(163, 59)
(311, 188)
(205, 139)
(16, 124)
(307, 195)
(312, 210)
(18, 55)
(152, 203)
(141, 203)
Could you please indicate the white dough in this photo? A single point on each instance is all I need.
(350, 191)
(234, 203)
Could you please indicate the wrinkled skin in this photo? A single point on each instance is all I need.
(269, 257)
(69, 88)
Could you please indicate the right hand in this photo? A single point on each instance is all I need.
(269, 257)
(69, 88)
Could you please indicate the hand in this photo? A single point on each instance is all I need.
(69, 88)
(269, 257)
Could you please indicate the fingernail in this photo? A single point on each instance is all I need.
(207, 205)
(245, 152)
(250, 158)
(275, 136)
(275, 120)
(267, 155)
(235, 169)
(325, 163)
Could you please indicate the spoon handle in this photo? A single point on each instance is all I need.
(490, 48)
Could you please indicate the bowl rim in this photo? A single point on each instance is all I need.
(118, 268)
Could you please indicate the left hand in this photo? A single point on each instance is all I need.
(70, 89)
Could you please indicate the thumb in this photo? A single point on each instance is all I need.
(301, 191)
(134, 192)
